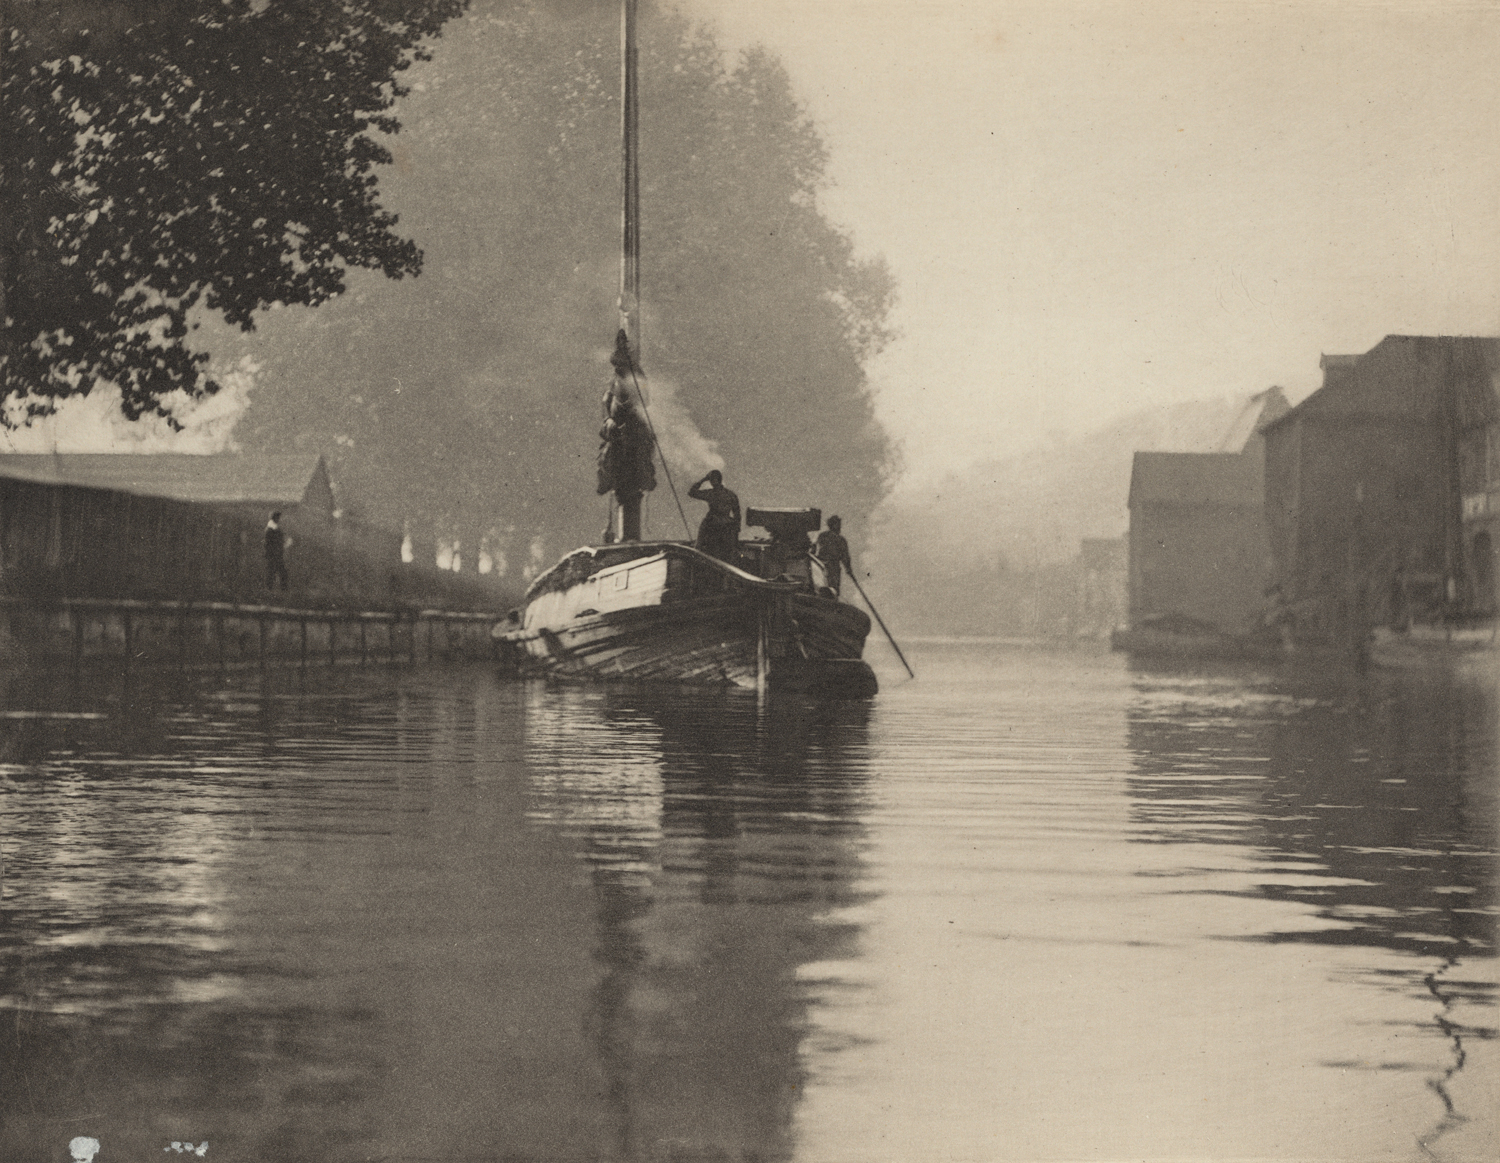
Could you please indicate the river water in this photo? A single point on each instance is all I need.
(1034, 905)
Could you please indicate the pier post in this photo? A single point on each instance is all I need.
(761, 659)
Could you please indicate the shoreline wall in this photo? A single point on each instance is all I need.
(78, 631)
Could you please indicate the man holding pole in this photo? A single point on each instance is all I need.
(832, 552)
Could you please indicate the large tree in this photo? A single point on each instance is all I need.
(473, 399)
(157, 156)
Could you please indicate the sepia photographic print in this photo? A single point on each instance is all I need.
(749, 581)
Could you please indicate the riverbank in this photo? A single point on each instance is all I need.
(127, 632)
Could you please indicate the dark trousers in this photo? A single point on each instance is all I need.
(275, 568)
(719, 539)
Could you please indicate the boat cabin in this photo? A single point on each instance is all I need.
(785, 556)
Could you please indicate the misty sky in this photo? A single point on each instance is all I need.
(1090, 209)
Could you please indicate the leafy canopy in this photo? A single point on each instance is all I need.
(160, 155)
(471, 403)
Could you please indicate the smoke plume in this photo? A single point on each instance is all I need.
(687, 451)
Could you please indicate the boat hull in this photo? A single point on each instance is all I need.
(750, 633)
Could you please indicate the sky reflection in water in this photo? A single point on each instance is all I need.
(1034, 905)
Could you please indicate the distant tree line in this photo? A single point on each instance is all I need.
(171, 164)
(468, 404)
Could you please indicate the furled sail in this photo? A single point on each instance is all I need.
(626, 445)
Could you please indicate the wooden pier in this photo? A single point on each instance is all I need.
(130, 632)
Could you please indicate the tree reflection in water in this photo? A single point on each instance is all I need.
(340, 915)
(719, 835)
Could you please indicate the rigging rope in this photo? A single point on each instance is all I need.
(651, 427)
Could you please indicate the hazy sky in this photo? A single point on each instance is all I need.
(1095, 207)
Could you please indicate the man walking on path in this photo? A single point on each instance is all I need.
(832, 552)
(275, 553)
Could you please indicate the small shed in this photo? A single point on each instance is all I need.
(152, 525)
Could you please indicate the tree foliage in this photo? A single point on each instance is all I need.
(160, 155)
(472, 400)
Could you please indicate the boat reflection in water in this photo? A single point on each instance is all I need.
(1369, 806)
(416, 915)
(720, 838)
(1034, 906)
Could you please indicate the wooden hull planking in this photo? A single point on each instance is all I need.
(614, 626)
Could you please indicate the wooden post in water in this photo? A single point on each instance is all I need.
(762, 661)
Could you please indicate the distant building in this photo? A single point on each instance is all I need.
(1103, 586)
(1378, 486)
(1198, 551)
(1477, 412)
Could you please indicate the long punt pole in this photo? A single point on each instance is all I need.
(881, 620)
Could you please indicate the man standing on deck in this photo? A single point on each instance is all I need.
(275, 553)
(719, 531)
(832, 552)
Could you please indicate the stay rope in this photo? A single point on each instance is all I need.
(650, 427)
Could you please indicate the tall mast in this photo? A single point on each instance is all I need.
(630, 475)
(630, 214)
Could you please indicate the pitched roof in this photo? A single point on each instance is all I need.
(1402, 376)
(1258, 411)
(1196, 478)
(272, 480)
